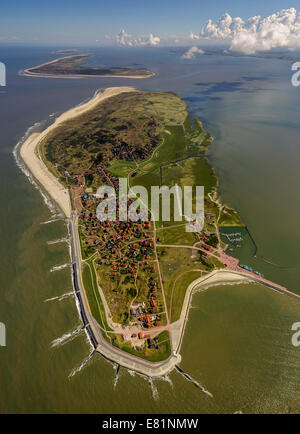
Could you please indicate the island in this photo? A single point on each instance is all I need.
(75, 66)
(68, 51)
(134, 279)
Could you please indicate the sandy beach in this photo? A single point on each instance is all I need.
(61, 196)
(29, 73)
(37, 167)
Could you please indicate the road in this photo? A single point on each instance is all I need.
(232, 264)
(101, 345)
(115, 354)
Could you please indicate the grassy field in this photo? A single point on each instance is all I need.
(95, 302)
(118, 302)
(151, 354)
(179, 267)
(124, 130)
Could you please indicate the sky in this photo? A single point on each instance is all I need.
(137, 22)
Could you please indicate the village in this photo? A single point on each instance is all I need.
(128, 266)
(124, 250)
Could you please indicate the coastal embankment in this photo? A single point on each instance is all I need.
(29, 152)
(108, 351)
(60, 195)
(217, 277)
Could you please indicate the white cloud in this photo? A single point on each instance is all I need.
(124, 38)
(150, 40)
(220, 30)
(10, 38)
(127, 40)
(279, 30)
(193, 36)
(190, 54)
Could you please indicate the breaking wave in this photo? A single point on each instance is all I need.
(116, 376)
(60, 240)
(34, 128)
(154, 390)
(82, 365)
(65, 338)
(167, 379)
(61, 297)
(37, 127)
(52, 221)
(59, 267)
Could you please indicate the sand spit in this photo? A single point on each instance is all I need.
(30, 73)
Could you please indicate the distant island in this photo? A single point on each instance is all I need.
(75, 66)
(68, 51)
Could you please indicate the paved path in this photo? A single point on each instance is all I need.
(127, 360)
(233, 265)
(112, 353)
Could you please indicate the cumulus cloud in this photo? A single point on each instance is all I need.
(220, 30)
(193, 36)
(190, 54)
(127, 40)
(279, 30)
(124, 38)
(150, 40)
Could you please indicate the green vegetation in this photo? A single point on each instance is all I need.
(142, 268)
(229, 217)
(180, 267)
(119, 132)
(118, 294)
(152, 354)
(94, 298)
(75, 65)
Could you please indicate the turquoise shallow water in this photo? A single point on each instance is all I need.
(238, 339)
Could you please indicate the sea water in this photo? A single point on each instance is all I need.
(238, 338)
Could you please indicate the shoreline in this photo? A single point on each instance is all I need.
(60, 195)
(215, 278)
(28, 73)
(36, 166)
